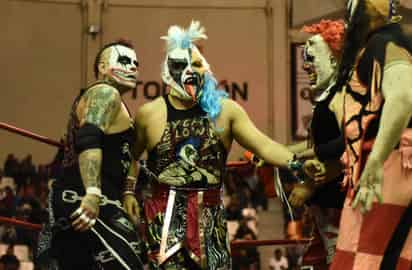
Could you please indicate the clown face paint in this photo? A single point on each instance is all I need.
(184, 71)
(319, 62)
(120, 65)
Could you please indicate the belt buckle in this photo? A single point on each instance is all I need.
(70, 196)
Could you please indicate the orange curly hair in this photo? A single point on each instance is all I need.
(331, 31)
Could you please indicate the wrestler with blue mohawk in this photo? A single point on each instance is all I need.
(187, 72)
(188, 134)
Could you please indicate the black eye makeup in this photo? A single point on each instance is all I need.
(124, 60)
(306, 56)
(177, 65)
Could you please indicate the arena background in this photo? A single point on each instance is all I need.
(47, 49)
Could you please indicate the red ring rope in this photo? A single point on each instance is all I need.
(20, 223)
(29, 134)
(271, 242)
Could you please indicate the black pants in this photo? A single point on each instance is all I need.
(111, 244)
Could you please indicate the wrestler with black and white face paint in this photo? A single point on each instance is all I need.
(184, 70)
(187, 135)
(119, 65)
(94, 200)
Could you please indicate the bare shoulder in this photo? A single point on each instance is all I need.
(104, 93)
(102, 103)
(231, 107)
(396, 53)
(229, 104)
(149, 109)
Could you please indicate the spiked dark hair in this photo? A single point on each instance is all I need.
(122, 42)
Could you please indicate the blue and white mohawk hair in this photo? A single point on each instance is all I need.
(177, 37)
(211, 98)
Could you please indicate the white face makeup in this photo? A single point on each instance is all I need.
(178, 69)
(121, 65)
(184, 70)
(319, 62)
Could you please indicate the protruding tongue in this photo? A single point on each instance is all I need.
(191, 91)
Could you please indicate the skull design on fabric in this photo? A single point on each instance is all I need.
(184, 67)
(120, 65)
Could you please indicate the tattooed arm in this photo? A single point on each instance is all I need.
(102, 104)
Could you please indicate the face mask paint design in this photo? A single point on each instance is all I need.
(319, 62)
(120, 65)
(184, 67)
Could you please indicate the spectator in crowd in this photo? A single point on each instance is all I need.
(233, 210)
(7, 200)
(27, 169)
(294, 256)
(245, 258)
(249, 215)
(8, 234)
(11, 166)
(24, 200)
(279, 261)
(27, 210)
(9, 261)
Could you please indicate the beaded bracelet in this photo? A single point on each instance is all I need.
(296, 166)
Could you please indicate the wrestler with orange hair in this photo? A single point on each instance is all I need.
(321, 56)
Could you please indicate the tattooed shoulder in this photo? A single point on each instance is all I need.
(103, 102)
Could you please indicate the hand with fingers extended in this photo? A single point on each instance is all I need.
(300, 194)
(131, 206)
(370, 186)
(85, 216)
